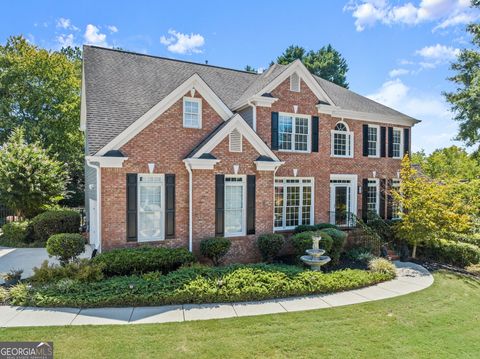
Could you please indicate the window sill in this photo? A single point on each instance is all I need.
(337, 156)
(294, 151)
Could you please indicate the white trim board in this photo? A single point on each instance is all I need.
(193, 82)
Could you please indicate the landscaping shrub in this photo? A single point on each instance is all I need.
(382, 265)
(321, 226)
(49, 223)
(4, 295)
(270, 245)
(83, 270)
(312, 228)
(65, 246)
(303, 241)
(473, 238)
(215, 248)
(17, 232)
(450, 252)
(196, 284)
(360, 254)
(339, 238)
(127, 261)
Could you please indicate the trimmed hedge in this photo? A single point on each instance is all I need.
(66, 246)
(339, 238)
(270, 245)
(215, 248)
(128, 261)
(48, 223)
(312, 228)
(17, 232)
(450, 252)
(83, 271)
(195, 285)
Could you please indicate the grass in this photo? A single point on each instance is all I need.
(441, 322)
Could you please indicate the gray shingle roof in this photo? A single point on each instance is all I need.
(121, 86)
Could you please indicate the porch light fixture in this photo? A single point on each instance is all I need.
(235, 169)
(151, 167)
(398, 174)
(374, 173)
(295, 108)
(295, 172)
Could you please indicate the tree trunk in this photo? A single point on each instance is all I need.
(414, 250)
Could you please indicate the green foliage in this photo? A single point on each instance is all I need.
(360, 254)
(66, 246)
(249, 68)
(339, 238)
(30, 178)
(450, 252)
(40, 90)
(83, 271)
(128, 261)
(382, 265)
(326, 63)
(465, 100)
(48, 223)
(17, 232)
(315, 227)
(215, 248)
(197, 284)
(4, 295)
(303, 241)
(270, 245)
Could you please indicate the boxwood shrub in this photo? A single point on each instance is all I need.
(66, 246)
(270, 245)
(315, 227)
(303, 241)
(49, 223)
(17, 232)
(450, 252)
(128, 261)
(339, 238)
(215, 248)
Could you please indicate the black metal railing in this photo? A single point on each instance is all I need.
(344, 219)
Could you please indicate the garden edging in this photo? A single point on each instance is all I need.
(410, 278)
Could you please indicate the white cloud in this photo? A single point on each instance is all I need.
(112, 28)
(436, 55)
(65, 40)
(183, 43)
(398, 72)
(446, 13)
(93, 36)
(66, 24)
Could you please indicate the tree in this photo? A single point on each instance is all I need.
(465, 100)
(30, 179)
(250, 69)
(40, 91)
(448, 163)
(326, 63)
(431, 209)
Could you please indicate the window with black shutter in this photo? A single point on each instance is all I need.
(219, 205)
(251, 204)
(169, 206)
(131, 207)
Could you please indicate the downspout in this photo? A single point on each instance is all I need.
(274, 174)
(254, 115)
(99, 203)
(190, 211)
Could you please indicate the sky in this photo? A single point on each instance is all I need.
(398, 52)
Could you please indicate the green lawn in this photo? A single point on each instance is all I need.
(442, 321)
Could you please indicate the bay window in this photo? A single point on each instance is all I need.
(293, 133)
(293, 202)
(234, 206)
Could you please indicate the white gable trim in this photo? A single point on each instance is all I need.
(194, 82)
(305, 75)
(83, 105)
(107, 162)
(237, 122)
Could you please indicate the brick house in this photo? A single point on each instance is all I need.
(178, 151)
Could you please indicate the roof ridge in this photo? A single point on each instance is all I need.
(169, 59)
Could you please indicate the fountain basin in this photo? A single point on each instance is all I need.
(315, 262)
(315, 252)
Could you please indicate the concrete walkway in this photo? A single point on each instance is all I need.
(410, 278)
(28, 258)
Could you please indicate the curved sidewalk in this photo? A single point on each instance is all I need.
(410, 278)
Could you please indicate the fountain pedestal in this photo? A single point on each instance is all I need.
(315, 258)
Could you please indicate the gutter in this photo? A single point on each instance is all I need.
(99, 203)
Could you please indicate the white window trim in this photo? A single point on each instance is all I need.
(162, 219)
(377, 190)
(299, 82)
(377, 143)
(401, 142)
(353, 191)
(197, 100)
(351, 143)
(243, 232)
(284, 184)
(395, 185)
(309, 134)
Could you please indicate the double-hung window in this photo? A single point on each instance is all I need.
(373, 196)
(373, 141)
(150, 207)
(192, 112)
(396, 208)
(293, 133)
(397, 143)
(342, 141)
(235, 206)
(293, 202)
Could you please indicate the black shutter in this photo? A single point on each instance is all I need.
(169, 206)
(131, 207)
(389, 200)
(314, 133)
(406, 141)
(383, 139)
(274, 131)
(250, 204)
(364, 199)
(390, 142)
(383, 193)
(219, 204)
(365, 140)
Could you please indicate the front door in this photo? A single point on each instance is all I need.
(342, 201)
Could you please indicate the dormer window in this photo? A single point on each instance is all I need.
(294, 82)
(192, 112)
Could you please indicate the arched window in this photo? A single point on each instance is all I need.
(342, 141)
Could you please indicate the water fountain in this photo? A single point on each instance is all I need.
(315, 258)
